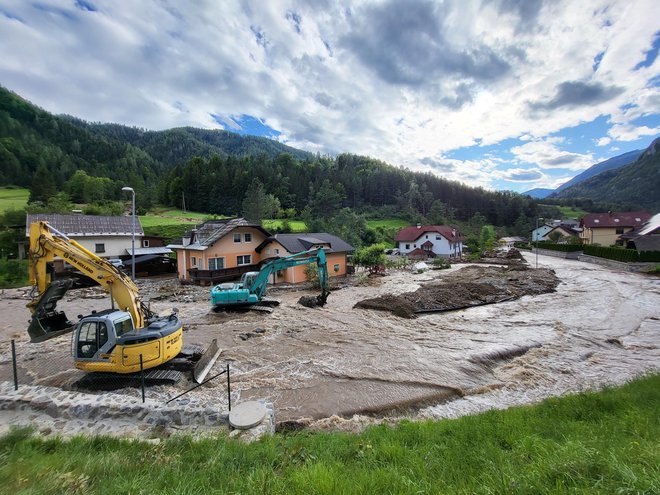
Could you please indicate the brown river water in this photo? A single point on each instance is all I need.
(340, 367)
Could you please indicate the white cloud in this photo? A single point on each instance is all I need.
(399, 81)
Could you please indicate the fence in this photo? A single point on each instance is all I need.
(52, 368)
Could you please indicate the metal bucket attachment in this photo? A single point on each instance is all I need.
(206, 362)
(46, 322)
(52, 325)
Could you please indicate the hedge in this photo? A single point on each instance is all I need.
(625, 255)
(566, 248)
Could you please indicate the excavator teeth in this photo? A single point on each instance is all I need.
(206, 362)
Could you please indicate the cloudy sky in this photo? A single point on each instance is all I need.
(504, 94)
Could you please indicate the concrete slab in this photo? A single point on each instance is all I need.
(247, 415)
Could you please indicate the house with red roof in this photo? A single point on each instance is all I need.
(430, 241)
(605, 228)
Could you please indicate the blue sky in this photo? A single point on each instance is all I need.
(502, 94)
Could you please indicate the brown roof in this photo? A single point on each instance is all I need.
(615, 219)
(410, 234)
(86, 225)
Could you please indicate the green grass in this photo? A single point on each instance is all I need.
(391, 223)
(13, 198)
(296, 225)
(605, 442)
(571, 212)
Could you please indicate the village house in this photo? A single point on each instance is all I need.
(430, 241)
(218, 250)
(282, 245)
(105, 236)
(222, 250)
(605, 228)
(644, 238)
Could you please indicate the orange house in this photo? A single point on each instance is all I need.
(221, 250)
(282, 245)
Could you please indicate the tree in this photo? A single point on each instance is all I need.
(370, 257)
(488, 238)
(43, 185)
(258, 205)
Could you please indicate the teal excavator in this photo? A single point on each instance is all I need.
(251, 289)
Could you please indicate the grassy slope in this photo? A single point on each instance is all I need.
(589, 443)
(13, 198)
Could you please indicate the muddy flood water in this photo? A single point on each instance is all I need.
(341, 367)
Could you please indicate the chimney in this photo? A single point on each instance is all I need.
(419, 225)
(453, 232)
(609, 212)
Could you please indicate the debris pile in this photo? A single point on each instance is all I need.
(464, 288)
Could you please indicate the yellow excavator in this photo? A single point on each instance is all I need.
(124, 339)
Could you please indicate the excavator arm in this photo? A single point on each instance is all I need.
(45, 244)
(304, 258)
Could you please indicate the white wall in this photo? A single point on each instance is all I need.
(441, 246)
(115, 246)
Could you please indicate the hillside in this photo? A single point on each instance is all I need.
(633, 186)
(610, 164)
(539, 192)
(212, 169)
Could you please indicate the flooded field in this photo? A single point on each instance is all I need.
(343, 367)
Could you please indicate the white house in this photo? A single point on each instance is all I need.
(430, 241)
(107, 237)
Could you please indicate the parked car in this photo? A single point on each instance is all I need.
(117, 262)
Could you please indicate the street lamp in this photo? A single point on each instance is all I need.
(536, 233)
(132, 231)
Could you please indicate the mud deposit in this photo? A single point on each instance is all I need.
(342, 367)
(467, 287)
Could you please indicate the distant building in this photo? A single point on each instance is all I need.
(606, 228)
(105, 236)
(430, 241)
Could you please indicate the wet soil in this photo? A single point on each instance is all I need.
(470, 286)
(343, 367)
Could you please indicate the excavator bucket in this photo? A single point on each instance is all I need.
(46, 322)
(206, 362)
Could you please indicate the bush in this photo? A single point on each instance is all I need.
(441, 264)
(13, 273)
(620, 254)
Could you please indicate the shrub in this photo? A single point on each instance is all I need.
(441, 264)
(13, 273)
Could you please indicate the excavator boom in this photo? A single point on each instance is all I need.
(46, 242)
(253, 284)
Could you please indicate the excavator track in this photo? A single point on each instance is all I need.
(114, 381)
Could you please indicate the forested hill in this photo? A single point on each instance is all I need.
(636, 185)
(212, 170)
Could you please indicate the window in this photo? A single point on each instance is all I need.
(193, 261)
(99, 248)
(247, 237)
(123, 326)
(237, 237)
(277, 251)
(245, 259)
(336, 267)
(407, 246)
(145, 242)
(619, 230)
(87, 340)
(216, 263)
(438, 238)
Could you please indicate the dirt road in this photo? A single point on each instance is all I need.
(321, 365)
